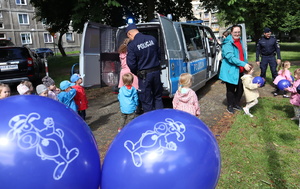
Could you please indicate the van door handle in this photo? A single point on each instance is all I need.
(172, 66)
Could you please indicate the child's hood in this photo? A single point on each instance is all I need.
(246, 76)
(127, 92)
(185, 97)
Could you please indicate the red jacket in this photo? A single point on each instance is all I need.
(80, 98)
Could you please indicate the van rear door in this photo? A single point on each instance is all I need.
(97, 46)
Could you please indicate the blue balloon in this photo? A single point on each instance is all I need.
(259, 80)
(282, 84)
(162, 149)
(44, 144)
(298, 89)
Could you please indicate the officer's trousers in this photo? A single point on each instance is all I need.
(265, 60)
(150, 91)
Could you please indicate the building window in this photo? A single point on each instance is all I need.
(48, 38)
(69, 37)
(44, 21)
(2, 36)
(206, 15)
(21, 2)
(26, 38)
(206, 24)
(1, 25)
(23, 19)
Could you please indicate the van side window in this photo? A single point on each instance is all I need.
(209, 36)
(193, 41)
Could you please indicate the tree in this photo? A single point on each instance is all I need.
(115, 13)
(60, 14)
(257, 14)
(56, 14)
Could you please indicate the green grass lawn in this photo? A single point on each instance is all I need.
(289, 51)
(263, 152)
(60, 67)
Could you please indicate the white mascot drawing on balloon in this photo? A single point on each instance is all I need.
(48, 141)
(162, 137)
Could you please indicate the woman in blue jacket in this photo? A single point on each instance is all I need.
(233, 64)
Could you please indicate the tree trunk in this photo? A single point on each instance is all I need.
(59, 44)
(257, 31)
(150, 10)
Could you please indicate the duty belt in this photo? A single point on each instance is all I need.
(151, 69)
(273, 54)
(142, 73)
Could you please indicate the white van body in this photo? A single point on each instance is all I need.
(185, 47)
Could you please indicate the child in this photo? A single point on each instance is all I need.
(124, 67)
(52, 89)
(295, 97)
(29, 85)
(250, 90)
(23, 89)
(185, 99)
(128, 99)
(66, 96)
(42, 90)
(4, 91)
(80, 97)
(283, 73)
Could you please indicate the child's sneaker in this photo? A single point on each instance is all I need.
(286, 96)
(275, 94)
(119, 130)
(246, 110)
(294, 118)
(250, 115)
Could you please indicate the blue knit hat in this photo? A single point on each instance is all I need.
(65, 84)
(75, 77)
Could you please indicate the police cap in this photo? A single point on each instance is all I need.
(267, 30)
(130, 27)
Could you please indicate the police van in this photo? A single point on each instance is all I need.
(186, 47)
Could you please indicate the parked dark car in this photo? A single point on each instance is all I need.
(42, 52)
(18, 64)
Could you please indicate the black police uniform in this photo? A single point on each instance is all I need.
(143, 61)
(268, 48)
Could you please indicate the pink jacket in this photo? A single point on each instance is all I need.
(187, 102)
(286, 75)
(125, 69)
(295, 97)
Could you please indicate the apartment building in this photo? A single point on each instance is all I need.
(209, 18)
(18, 27)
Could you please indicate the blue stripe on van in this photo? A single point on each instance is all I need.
(177, 67)
(197, 66)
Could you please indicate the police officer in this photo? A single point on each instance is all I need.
(143, 60)
(268, 47)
